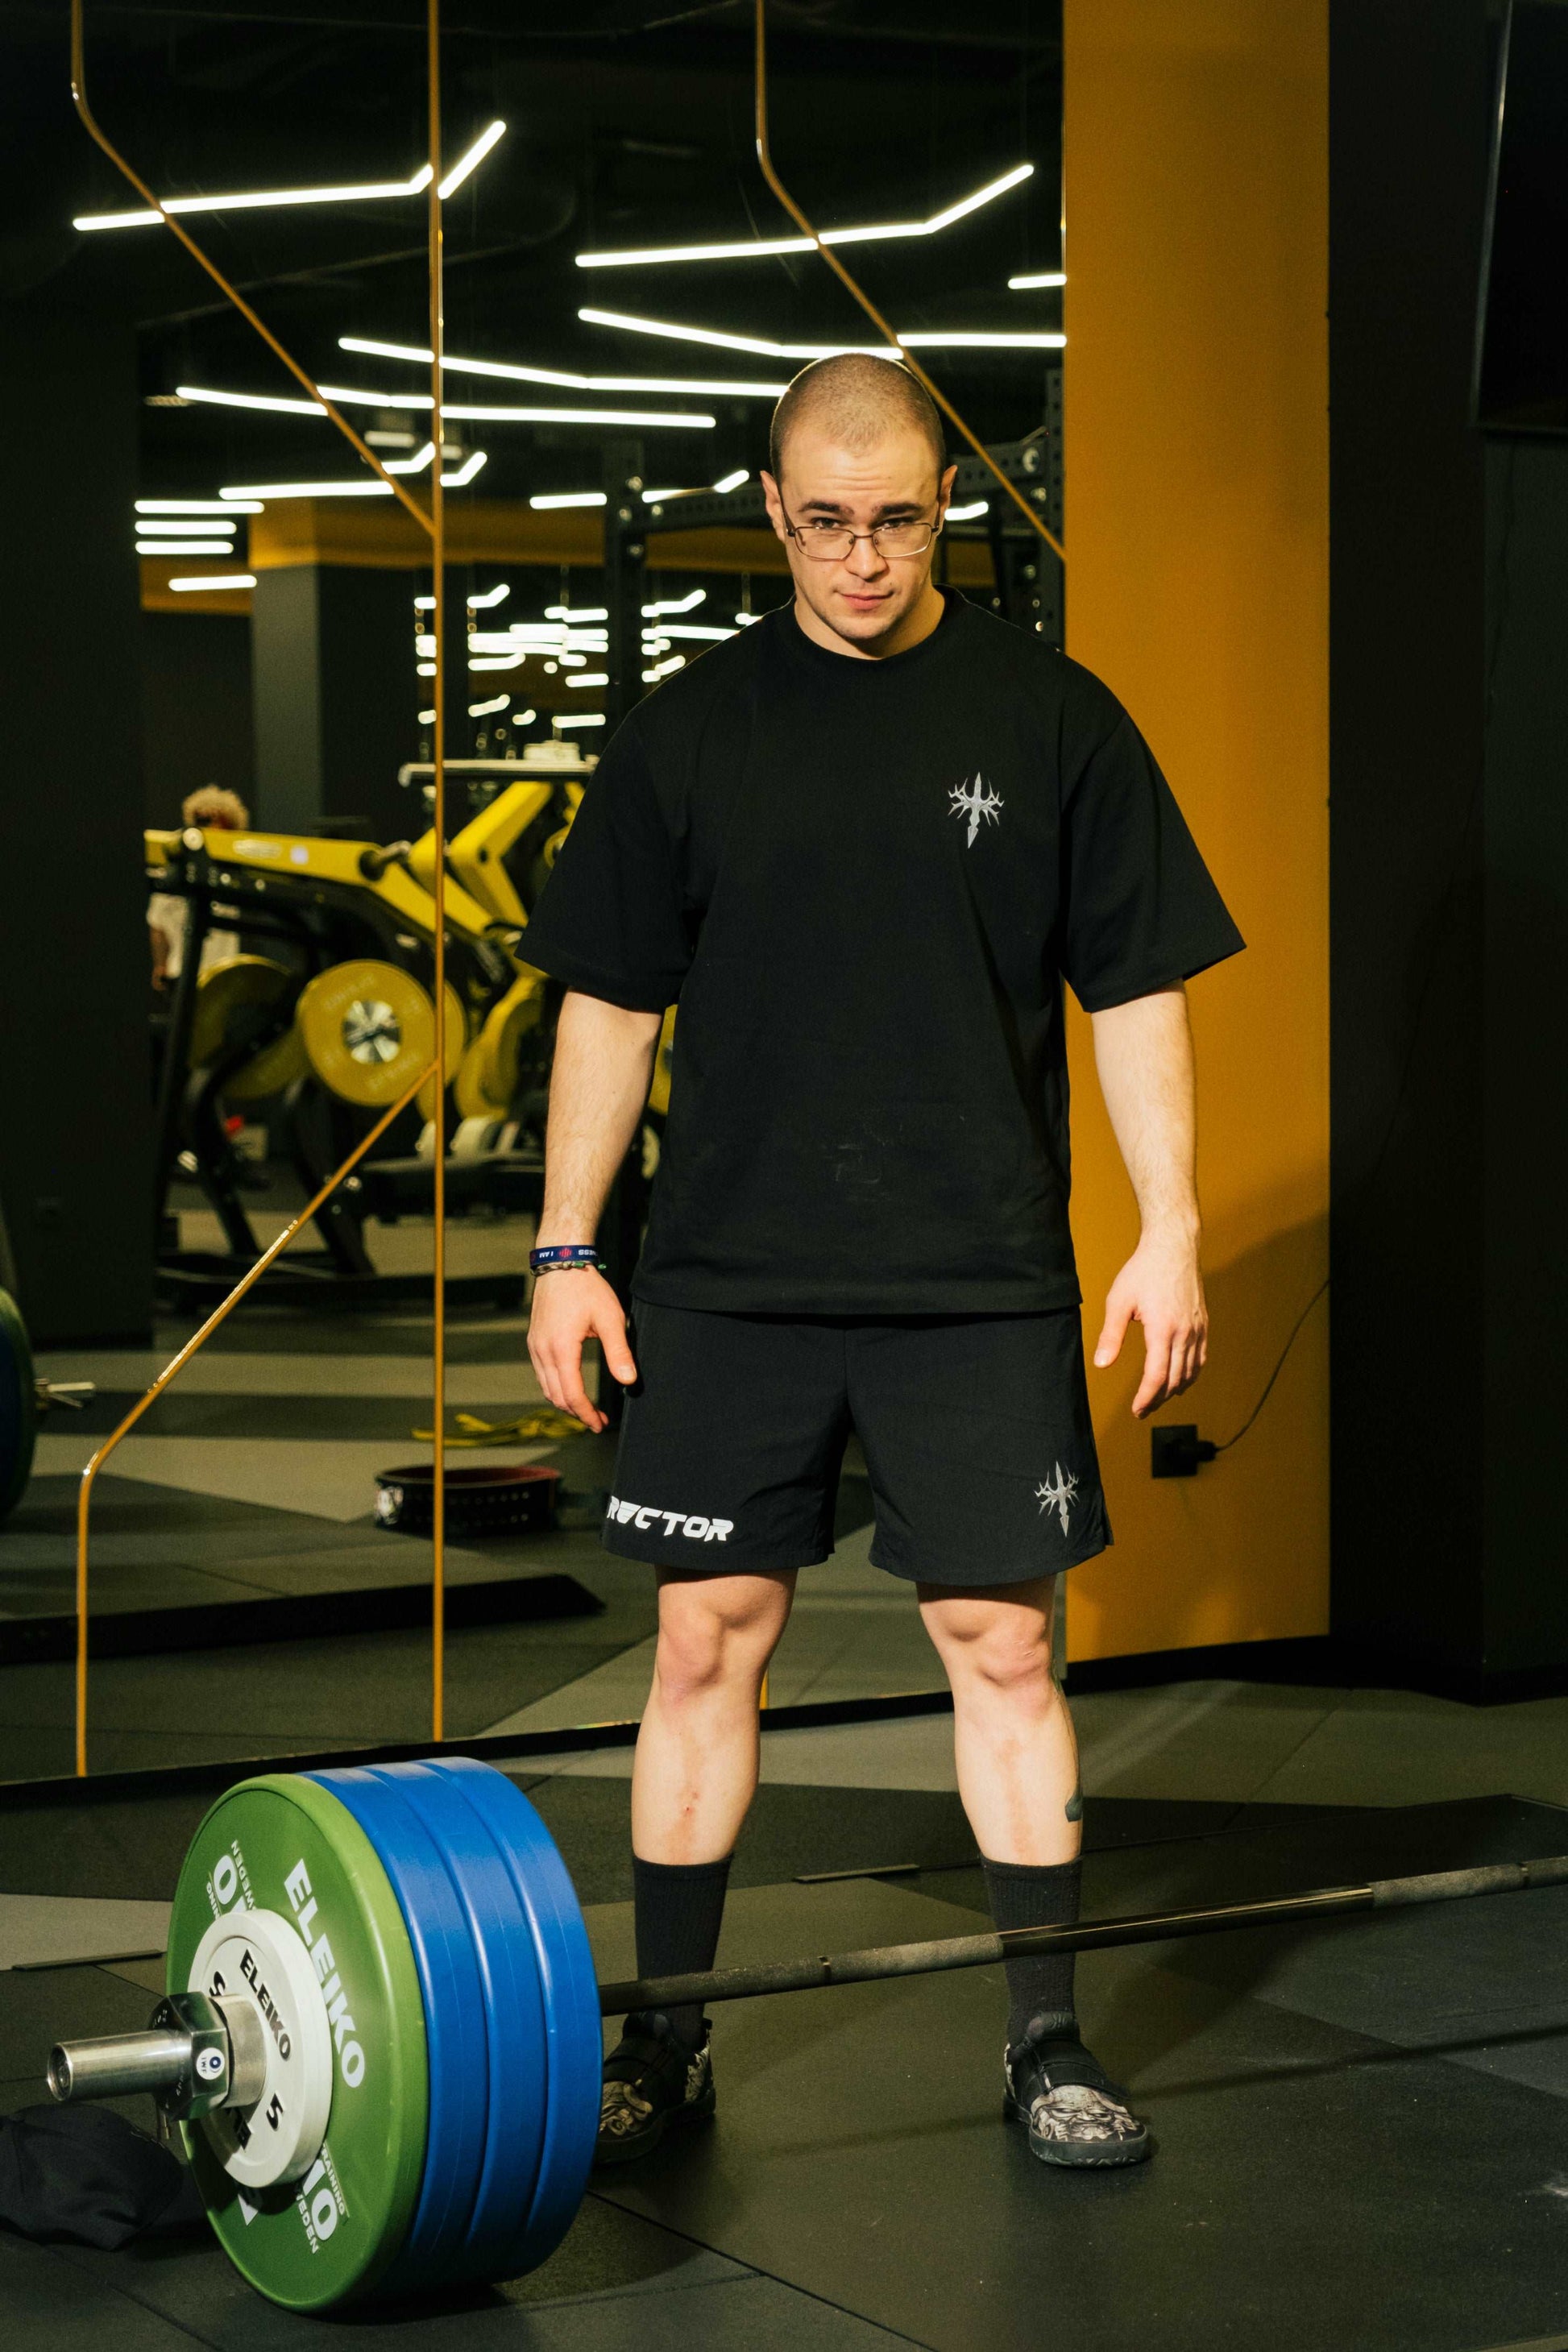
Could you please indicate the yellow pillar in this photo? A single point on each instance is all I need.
(1196, 444)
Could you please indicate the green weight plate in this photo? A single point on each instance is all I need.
(285, 1845)
(18, 1408)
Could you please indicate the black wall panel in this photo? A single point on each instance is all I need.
(75, 1119)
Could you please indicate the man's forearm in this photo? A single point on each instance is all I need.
(598, 1087)
(1143, 1052)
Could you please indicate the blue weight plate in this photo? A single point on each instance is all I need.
(453, 1996)
(571, 1989)
(514, 2010)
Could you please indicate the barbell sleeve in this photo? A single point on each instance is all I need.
(115, 2066)
(1085, 1936)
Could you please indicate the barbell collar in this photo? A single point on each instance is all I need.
(1085, 1936)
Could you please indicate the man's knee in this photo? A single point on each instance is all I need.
(707, 1640)
(1005, 1652)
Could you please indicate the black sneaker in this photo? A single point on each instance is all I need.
(1075, 2112)
(651, 2081)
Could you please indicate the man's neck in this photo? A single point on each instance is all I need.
(921, 621)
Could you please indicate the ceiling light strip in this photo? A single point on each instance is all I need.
(268, 199)
(749, 249)
(262, 200)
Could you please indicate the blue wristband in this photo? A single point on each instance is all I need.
(565, 1253)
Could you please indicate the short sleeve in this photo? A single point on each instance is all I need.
(608, 921)
(1139, 907)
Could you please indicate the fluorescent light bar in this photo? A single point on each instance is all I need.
(733, 481)
(663, 670)
(747, 248)
(693, 629)
(652, 497)
(265, 490)
(578, 417)
(185, 547)
(465, 473)
(213, 580)
(580, 718)
(364, 190)
(491, 596)
(352, 395)
(418, 356)
(591, 678)
(916, 339)
(652, 612)
(1037, 278)
(190, 507)
(963, 341)
(484, 709)
(730, 342)
(496, 661)
(580, 611)
(249, 400)
(184, 527)
(569, 499)
(742, 249)
(414, 464)
(470, 161)
(969, 513)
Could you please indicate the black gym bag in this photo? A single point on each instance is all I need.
(86, 2174)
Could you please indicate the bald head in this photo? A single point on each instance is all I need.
(854, 401)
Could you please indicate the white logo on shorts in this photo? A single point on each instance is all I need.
(1057, 1494)
(695, 1527)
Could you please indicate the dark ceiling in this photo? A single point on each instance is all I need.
(629, 122)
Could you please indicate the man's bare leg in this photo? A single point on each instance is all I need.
(1017, 1774)
(697, 1755)
(1011, 1732)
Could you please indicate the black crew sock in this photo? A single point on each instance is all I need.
(1040, 1985)
(678, 1908)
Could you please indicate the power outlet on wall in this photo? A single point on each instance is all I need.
(1175, 1449)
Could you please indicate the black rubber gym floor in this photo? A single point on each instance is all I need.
(1362, 2134)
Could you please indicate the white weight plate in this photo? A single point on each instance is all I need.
(258, 1956)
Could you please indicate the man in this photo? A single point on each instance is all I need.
(862, 844)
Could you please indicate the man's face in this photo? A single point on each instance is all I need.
(863, 597)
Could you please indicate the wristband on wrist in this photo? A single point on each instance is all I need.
(563, 1256)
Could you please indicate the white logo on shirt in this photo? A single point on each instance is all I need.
(643, 1515)
(975, 801)
(1057, 1494)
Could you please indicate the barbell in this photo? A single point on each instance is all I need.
(382, 2040)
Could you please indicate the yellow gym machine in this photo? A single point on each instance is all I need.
(328, 1013)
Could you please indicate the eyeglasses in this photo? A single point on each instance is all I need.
(827, 541)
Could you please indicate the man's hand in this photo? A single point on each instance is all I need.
(567, 1309)
(1161, 1287)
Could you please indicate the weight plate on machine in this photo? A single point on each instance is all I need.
(18, 1406)
(453, 1998)
(497, 2244)
(228, 987)
(369, 1028)
(570, 1991)
(500, 1042)
(285, 1845)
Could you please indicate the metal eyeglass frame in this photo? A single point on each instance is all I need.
(841, 555)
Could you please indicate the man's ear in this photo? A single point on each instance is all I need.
(944, 488)
(775, 505)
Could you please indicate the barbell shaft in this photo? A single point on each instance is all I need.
(1086, 1935)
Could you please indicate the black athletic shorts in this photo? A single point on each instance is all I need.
(976, 1431)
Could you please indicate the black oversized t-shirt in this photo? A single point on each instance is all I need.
(863, 882)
